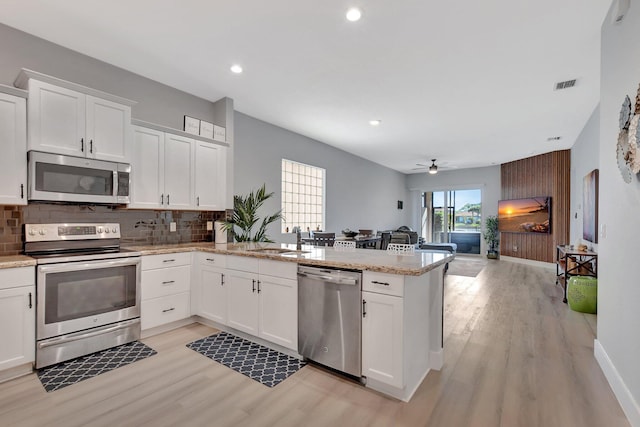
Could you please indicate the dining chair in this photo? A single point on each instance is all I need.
(323, 239)
(343, 244)
(385, 238)
(402, 238)
(401, 248)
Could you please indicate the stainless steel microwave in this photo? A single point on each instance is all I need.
(59, 178)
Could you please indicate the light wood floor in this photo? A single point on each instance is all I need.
(515, 355)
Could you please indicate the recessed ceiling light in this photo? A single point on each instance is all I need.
(237, 69)
(354, 14)
(375, 122)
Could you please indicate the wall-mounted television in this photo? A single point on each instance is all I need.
(530, 215)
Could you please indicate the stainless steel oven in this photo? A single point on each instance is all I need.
(54, 177)
(87, 290)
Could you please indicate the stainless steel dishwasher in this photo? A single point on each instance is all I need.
(330, 318)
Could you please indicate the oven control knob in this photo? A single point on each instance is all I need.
(115, 230)
(99, 230)
(32, 232)
(42, 231)
(106, 230)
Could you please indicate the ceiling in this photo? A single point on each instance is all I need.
(468, 83)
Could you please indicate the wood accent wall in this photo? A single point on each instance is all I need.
(544, 175)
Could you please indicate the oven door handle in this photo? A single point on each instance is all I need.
(83, 335)
(83, 265)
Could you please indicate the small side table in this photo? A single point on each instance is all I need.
(572, 262)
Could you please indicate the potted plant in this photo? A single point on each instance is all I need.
(491, 236)
(245, 217)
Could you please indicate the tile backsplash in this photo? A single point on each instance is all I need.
(143, 227)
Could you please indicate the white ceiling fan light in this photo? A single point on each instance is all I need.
(354, 14)
(375, 122)
(433, 169)
(236, 69)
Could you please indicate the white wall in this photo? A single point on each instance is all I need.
(487, 179)
(585, 157)
(359, 193)
(618, 343)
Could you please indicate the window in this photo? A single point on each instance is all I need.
(302, 196)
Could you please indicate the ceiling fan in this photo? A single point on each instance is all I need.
(433, 168)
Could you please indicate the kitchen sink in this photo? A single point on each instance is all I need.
(277, 251)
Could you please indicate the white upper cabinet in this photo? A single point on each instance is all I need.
(56, 119)
(66, 118)
(108, 129)
(172, 171)
(178, 172)
(162, 170)
(13, 138)
(210, 176)
(147, 168)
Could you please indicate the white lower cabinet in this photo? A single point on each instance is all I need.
(17, 316)
(242, 300)
(209, 287)
(382, 330)
(279, 311)
(262, 298)
(166, 283)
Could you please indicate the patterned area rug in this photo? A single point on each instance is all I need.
(259, 363)
(63, 374)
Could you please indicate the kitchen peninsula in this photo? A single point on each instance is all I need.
(402, 298)
(251, 289)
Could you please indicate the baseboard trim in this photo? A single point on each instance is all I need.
(625, 398)
(16, 371)
(436, 359)
(547, 265)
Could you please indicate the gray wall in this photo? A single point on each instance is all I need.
(157, 103)
(487, 179)
(585, 157)
(359, 193)
(618, 290)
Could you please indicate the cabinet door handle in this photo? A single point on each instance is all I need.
(91, 145)
(168, 260)
(162, 199)
(258, 286)
(168, 282)
(364, 308)
(168, 310)
(198, 201)
(211, 259)
(254, 286)
(30, 303)
(22, 191)
(168, 199)
(375, 282)
(82, 144)
(222, 279)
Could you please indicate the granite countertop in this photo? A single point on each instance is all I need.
(13, 261)
(356, 259)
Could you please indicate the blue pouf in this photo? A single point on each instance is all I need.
(582, 294)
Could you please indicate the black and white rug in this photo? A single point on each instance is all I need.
(66, 373)
(259, 363)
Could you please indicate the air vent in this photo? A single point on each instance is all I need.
(566, 84)
(554, 138)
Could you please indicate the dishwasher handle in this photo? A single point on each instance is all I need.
(330, 278)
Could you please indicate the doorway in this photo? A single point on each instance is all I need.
(453, 216)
